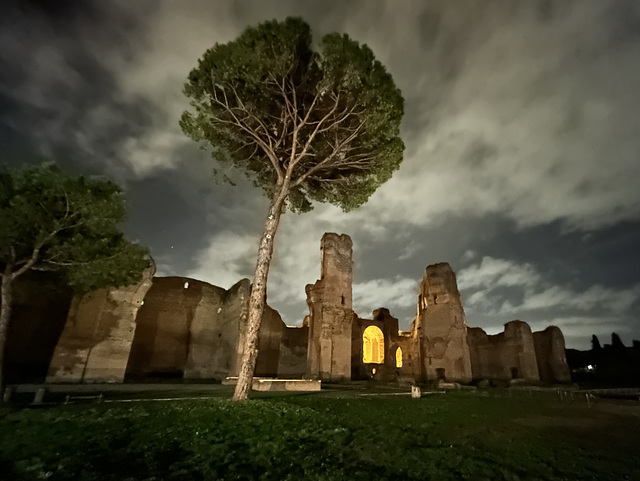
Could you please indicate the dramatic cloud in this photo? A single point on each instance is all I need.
(227, 260)
(395, 293)
(536, 124)
(497, 272)
(490, 299)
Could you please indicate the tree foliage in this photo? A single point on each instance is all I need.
(270, 105)
(51, 221)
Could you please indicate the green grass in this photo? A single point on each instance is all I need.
(330, 435)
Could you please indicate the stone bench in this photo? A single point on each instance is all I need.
(273, 384)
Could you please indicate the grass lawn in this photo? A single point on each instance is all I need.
(329, 435)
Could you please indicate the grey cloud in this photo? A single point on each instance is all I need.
(511, 96)
(60, 91)
(543, 302)
(392, 293)
(492, 272)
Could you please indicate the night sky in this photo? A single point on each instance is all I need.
(521, 169)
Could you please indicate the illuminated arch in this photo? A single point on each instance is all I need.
(372, 345)
(399, 357)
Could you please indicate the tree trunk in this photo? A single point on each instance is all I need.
(5, 314)
(259, 293)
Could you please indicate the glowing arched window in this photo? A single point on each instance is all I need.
(373, 345)
(398, 357)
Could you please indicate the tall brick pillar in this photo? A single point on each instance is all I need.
(330, 312)
(444, 351)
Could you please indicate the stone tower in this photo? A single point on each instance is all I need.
(442, 330)
(330, 312)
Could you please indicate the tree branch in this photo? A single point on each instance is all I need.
(328, 161)
(267, 149)
(32, 260)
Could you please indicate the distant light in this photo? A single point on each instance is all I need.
(590, 367)
(186, 285)
(142, 303)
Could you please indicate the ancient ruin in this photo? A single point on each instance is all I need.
(175, 327)
(330, 314)
(440, 327)
(96, 341)
(508, 355)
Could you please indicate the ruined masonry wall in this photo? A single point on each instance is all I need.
(550, 353)
(330, 312)
(161, 340)
(292, 362)
(269, 340)
(194, 330)
(180, 327)
(441, 327)
(188, 328)
(96, 340)
(505, 356)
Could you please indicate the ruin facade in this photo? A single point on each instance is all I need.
(508, 355)
(550, 355)
(441, 328)
(330, 312)
(96, 341)
(176, 327)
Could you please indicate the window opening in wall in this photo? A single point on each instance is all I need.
(373, 345)
(399, 357)
(514, 373)
(440, 373)
(342, 300)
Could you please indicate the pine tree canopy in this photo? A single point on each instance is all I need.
(273, 106)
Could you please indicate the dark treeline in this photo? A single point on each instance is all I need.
(608, 364)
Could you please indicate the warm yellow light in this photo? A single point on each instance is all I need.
(372, 345)
(399, 357)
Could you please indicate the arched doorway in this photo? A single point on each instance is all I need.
(399, 357)
(373, 345)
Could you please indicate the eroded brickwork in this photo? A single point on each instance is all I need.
(96, 340)
(505, 356)
(330, 313)
(550, 354)
(441, 327)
